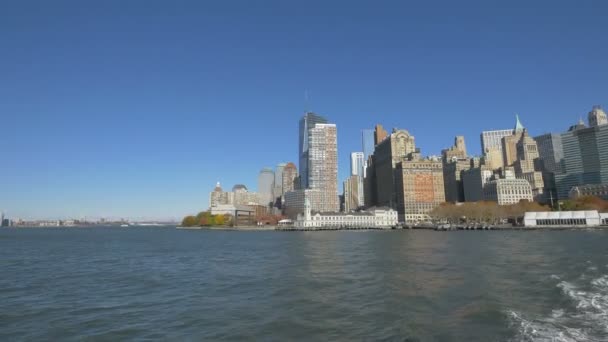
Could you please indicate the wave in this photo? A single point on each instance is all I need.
(586, 320)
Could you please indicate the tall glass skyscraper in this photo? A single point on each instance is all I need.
(308, 122)
(367, 141)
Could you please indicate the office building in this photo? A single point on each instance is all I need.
(474, 180)
(266, 186)
(356, 163)
(367, 142)
(420, 188)
(551, 159)
(454, 161)
(379, 134)
(492, 140)
(396, 147)
(597, 190)
(238, 196)
(323, 164)
(459, 150)
(597, 117)
(308, 121)
(507, 191)
(528, 165)
(277, 190)
(509, 143)
(352, 193)
(585, 156)
(289, 178)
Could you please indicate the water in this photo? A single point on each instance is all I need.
(166, 284)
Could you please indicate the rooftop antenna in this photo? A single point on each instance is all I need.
(306, 101)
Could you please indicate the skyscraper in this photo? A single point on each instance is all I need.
(367, 141)
(454, 161)
(307, 122)
(357, 169)
(379, 134)
(551, 158)
(277, 191)
(323, 164)
(585, 158)
(597, 117)
(265, 186)
(290, 172)
(356, 164)
(492, 140)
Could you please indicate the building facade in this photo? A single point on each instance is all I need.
(396, 147)
(420, 189)
(290, 173)
(352, 193)
(323, 164)
(585, 158)
(384, 218)
(266, 186)
(597, 190)
(307, 122)
(474, 180)
(507, 191)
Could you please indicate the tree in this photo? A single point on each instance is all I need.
(189, 221)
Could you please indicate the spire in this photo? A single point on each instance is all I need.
(518, 126)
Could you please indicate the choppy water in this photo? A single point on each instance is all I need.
(166, 284)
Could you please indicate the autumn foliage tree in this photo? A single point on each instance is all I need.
(488, 212)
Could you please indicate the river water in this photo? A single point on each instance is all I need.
(167, 284)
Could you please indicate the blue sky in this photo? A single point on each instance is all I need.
(136, 108)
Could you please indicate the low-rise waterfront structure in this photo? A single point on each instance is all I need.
(373, 218)
(580, 218)
(597, 190)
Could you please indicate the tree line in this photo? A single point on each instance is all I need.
(491, 212)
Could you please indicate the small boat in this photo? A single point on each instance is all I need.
(124, 225)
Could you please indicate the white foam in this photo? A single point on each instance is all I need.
(589, 311)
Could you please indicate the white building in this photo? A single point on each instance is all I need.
(374, 218)
(507, 191)
(580, 218)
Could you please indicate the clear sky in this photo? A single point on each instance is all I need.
(136, 108)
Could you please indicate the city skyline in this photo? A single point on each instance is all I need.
(114, 130)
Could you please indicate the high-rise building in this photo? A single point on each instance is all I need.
(277, 191)
(597, 117)
(290, 173)
(323, 164)
(238, 196)
(266, 186)
(352, 193)
(551, 158)
(307, 122)
(454, 161)
(379, 134)
(474, 180)
(452, 178)
(367, 142)
(357, 168)
(585, 158)
(356, 163)
(492, 140)
(527, 165)
(551, 152)
(459, 150)
(509, 143)
(420, 188)
(396, 147)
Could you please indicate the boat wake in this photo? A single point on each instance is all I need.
(585, 319)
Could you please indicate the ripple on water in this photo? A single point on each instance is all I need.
(585, 320)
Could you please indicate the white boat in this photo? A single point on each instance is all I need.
(124, 225)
